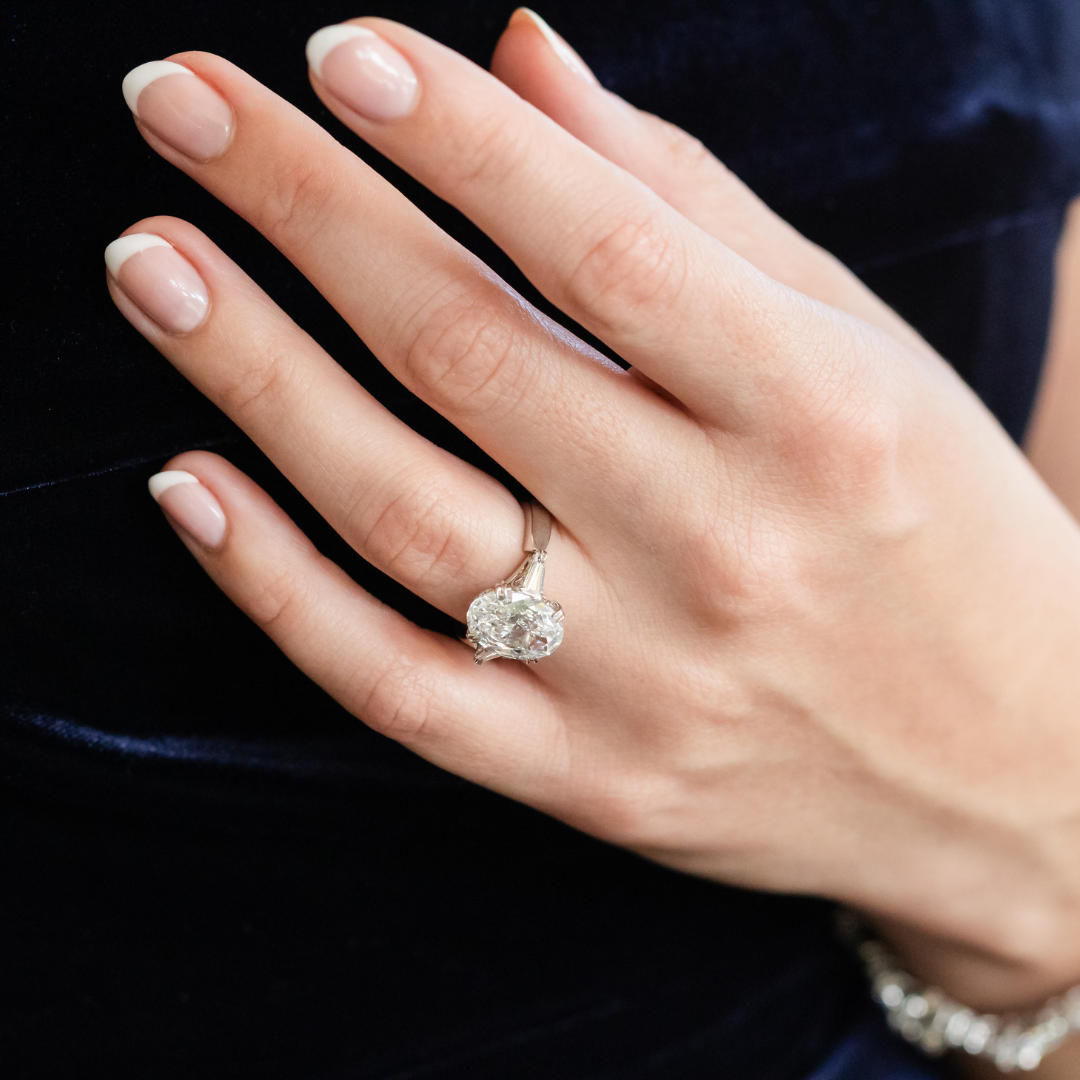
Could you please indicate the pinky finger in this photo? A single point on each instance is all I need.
(410, 684)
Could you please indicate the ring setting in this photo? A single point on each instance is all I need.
(515, 620)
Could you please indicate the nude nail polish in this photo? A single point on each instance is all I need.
(174, 103)
(364, 70)
(191, 505)
(160, 280)
(557, 44)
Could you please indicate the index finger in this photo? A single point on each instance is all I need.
(669, 298)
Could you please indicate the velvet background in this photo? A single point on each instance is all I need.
(208, 868)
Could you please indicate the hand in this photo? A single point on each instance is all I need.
(820, 613)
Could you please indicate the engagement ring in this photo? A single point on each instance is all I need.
(515, 619)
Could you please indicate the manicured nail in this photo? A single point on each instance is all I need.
(192, 506)
(558, 44)
(160, 280)
(364, 70)
(174, 103)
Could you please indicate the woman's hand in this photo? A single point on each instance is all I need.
(821, 616)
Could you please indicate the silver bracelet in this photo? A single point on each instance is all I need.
(935, 1023)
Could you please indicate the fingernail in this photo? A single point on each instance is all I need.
(557, 43)
(160, 280)
(192, 506)
(363, 70)
(178, 106)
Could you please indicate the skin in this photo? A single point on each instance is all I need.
(1052, 443)
(1054, 449)
(821, 613)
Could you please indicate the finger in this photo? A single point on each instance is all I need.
(412, 685)
(673, 301)
(442, 528)
(535, 398)
(539, 66)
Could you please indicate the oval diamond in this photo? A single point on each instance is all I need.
(515, 624)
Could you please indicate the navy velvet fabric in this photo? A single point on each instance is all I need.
(209, 869)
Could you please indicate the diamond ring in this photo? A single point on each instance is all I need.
(515, 619)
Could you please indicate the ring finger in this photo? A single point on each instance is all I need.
(442, 528)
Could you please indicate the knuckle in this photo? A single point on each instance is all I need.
(274, 604)
(465, 355)
(259, 386)
(698, 182)
(700, 185)
(296, 198)
(399, 701)
(733, 558)
(846, 429)
(621, 811)
(420, 535)
(636, 266)
(486, 152)
(688, 156)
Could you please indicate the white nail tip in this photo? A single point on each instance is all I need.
(558, 46)
(324, 41)
(138, 79)
(541, 24)
(119, 251)
(162, 481)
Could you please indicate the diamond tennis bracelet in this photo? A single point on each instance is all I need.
(935, 1023)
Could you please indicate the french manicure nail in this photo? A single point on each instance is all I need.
(192, 506)
(558, 45)
(160, 280)
(364, 70)
(178, 106)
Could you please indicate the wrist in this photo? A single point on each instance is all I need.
(1022, 1038)
(982, 978)
(986, 910)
